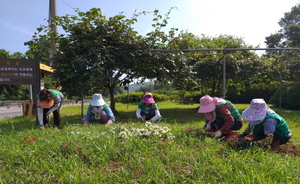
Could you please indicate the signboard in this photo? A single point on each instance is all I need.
(22, 71)
(19, 71)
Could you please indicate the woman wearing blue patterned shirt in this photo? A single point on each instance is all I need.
(268, 128)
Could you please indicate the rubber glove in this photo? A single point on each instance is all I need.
(217, 134)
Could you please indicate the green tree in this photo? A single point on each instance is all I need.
(18, 55)
(99, 53)
(288, 36)
(208, 65)
(40, 46)
(4, 54)
(290, 27)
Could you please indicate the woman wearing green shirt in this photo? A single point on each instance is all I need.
(148, 109)
(49, 101)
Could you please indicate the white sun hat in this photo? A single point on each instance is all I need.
(97, 100)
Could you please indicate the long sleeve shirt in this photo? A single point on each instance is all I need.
(90, 114)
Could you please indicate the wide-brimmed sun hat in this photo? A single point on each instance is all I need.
(257, 111)
(45, 104)
(206, 104)
(97, 100)
(148, 98)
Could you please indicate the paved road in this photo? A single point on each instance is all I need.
(10, 112)
(14, 111)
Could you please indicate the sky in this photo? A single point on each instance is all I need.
(252, 20)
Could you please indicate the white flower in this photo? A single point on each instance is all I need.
(123, 134)
(149, 131)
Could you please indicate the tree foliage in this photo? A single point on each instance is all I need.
(289, 34)
(290, 26)
(208, 65)
(39, 46)
(99, 53)
(285, 63)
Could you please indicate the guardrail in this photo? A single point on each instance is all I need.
(18, 103)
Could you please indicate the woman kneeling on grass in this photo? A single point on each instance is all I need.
(268, 128)
(98, 111)
(221, 117)
(148, 109)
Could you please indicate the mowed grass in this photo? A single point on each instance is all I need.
(128, 151)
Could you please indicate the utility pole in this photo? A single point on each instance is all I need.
(152, 85)
(52, 14)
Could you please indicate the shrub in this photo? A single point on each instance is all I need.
(288, 96)
(136, 97)
(264, 91)
(177, 95)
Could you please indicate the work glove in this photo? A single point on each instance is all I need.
(109, 122)
(217, 134)
(257, 143)
(207, 127)
(48, 114)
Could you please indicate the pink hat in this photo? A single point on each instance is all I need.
(148, 98)
(206, 104)
(257, 111)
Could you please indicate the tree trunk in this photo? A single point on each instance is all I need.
(112, 101)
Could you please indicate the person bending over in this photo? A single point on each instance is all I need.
(268, 128)
(49, 101)
(222, 117)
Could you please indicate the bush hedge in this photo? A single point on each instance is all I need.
(265, 91)
(135, 97)
(287, 96)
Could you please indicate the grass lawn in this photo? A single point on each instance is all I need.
(175, 150)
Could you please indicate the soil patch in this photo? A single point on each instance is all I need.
(288, 148)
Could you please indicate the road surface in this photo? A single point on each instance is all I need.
(10, 112)
(14, 111)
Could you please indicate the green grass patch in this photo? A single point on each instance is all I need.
(175, 150)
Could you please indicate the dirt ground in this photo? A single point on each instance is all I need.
(288, 148)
